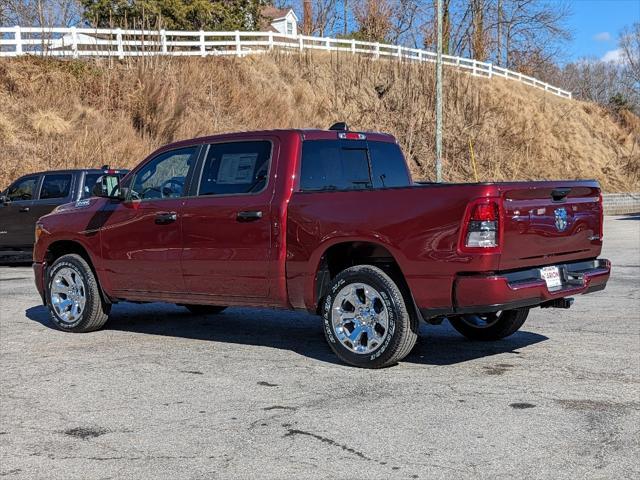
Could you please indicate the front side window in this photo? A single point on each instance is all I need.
(164, 176)
(236, 168)
(23, 189)
(56, 185)
(334, 165)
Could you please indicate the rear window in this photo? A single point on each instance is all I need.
(56, 186)
(388, 167)
(334, 165)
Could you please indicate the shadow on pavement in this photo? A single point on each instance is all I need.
(631, 216)
(298, 332)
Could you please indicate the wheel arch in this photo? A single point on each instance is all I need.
(58, 248)
(344, 253)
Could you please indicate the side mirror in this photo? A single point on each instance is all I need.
(4, 200)
(107, 186)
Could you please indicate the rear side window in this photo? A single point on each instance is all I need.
(57, 185)
(23, 189)
(388, 166)
(90, 180)
(236, 168)
(331, 165)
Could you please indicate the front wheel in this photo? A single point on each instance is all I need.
(73, 296)
(367, 322)
(489, 326)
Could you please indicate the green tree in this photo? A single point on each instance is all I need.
(175, 14)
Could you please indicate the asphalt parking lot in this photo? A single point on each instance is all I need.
(251, 393)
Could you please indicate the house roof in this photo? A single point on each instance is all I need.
(274, 13)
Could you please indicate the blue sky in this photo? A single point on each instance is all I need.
(595, 25)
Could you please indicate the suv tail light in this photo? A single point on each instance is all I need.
(481, 228)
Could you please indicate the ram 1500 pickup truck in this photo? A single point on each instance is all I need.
(327, 221)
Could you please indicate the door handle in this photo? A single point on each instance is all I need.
(165, 218)
(250, 216)
(24, 209)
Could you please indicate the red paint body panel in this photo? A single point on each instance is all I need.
(207, 256)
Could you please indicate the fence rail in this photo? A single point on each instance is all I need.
(99, 42)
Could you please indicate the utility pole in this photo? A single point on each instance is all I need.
(439, 97)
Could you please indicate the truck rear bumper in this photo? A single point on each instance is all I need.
(526, 288)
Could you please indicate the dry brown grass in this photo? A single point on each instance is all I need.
(63, 114)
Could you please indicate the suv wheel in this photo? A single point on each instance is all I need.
(490, 326)
(367, 322)
(73, 296)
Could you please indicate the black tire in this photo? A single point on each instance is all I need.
(204, 309)
(498, 325)
(402, 331)
(95, 312)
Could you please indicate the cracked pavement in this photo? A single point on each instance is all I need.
(160, 393)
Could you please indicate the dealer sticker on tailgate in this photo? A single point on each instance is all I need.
(551, 275)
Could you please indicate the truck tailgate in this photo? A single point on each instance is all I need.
(550, 222)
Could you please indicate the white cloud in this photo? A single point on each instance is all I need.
(613, 56)
(602, 37)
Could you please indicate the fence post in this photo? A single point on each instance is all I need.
(377, 50)
(18, 38)
(270, 40)
(238, 45)
(328, 44)
(119, 42)
(74, 42)
(163, 42)
(300, 43)
(399, 52)
(203, 49)
(420, 58)
(475, 69)
(490, 70)
(353, 46)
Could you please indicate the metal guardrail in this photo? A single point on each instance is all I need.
(100, 42)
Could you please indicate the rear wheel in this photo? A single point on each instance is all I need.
(367, 322)
(204, 309)
(490, 326)
(73, 296)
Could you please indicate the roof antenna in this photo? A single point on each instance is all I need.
(341, 126)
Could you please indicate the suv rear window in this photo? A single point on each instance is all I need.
(331, 165)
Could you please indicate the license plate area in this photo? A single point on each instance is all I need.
(551, 276)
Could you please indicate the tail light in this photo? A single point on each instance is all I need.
(481, 229)
(601, 219)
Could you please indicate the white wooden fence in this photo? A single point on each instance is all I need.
(100, 42)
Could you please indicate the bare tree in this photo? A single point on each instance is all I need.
(40, 13)
(630, 49)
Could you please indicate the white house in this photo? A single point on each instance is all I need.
(281, 20)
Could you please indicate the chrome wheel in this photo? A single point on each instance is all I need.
(359, 318)
(68, 295)
(481, 320)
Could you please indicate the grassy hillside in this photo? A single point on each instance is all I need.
(60, 114)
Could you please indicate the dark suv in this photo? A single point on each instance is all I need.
(35, 195)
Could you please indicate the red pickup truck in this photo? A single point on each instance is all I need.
(327, 221)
